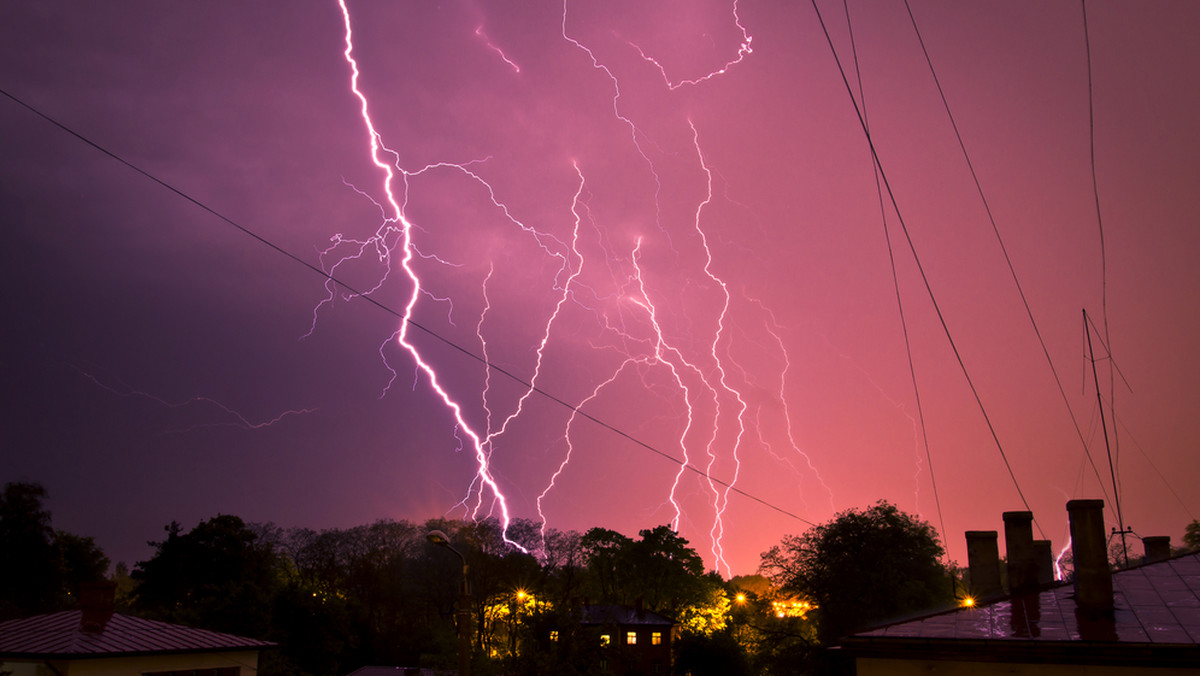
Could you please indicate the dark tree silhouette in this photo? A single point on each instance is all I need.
(216, 576)
(40, 569)
(716, 655)
(79, 561)
(1191, 536)
(603, 552)
(28, 562)
(863, 567)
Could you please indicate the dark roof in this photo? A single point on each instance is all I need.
(1157, 612)
(61, 635)
(609, 614)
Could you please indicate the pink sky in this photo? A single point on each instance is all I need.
(742, 208)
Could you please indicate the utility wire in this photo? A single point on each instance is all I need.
(887, 236)
(1107, 351)
(416, 325)
(1111, 466)
(1000, 240)
(1166, 483)
(1112, 400)
(920, 268)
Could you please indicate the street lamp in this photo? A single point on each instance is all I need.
(440, 539)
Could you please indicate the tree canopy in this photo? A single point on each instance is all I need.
(341, 598)
(40, 568)
(217, 576)
(863, 567)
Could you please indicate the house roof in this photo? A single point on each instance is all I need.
(62, 635)
(1157, 613)
(612, 614)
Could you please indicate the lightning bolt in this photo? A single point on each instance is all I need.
(662, 347)
(744, 50)
(239, 420)
(1059, 573)
(772, 328)
(487, 41)
(600, 292)
(396, 223)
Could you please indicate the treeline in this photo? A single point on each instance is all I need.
(383, 594)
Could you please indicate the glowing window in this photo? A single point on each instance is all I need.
(554, 635)
(631, 638)
(604, 639)
(656, 638)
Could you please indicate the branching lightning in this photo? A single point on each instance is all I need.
(238, 420)
(395, 218)
(634, 321)
(744, 50)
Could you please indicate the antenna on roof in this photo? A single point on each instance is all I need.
(1112, 469)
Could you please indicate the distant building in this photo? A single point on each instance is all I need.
(634, 639)
(1143, 620)
(97, 642)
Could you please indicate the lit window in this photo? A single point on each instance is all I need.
(631, 638)
(604, 639)
(554, 635)
(656, 638)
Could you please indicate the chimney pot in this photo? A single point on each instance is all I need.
(983, 562)
(1018, 544)
(1043, 555)
(97, 601)
(1093, 578)
(1158, 548)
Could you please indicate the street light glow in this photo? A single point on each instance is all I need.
(438, 538)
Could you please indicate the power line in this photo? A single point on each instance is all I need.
(1000, 240)
(887, 236)
(920, 268)
(1157, 471)
(1112, 399)
(414, 324)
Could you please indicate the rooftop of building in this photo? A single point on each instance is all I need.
(622, 615)
(68, 634)
(1156, 613)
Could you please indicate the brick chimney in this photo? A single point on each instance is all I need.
(1018, 544)
(96, 600)
(1158, 548)
(1043, 556)
(983, 562)
(1093, 578)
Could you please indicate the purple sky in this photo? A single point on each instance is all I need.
(715, 246)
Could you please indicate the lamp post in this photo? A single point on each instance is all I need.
(440, 539)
